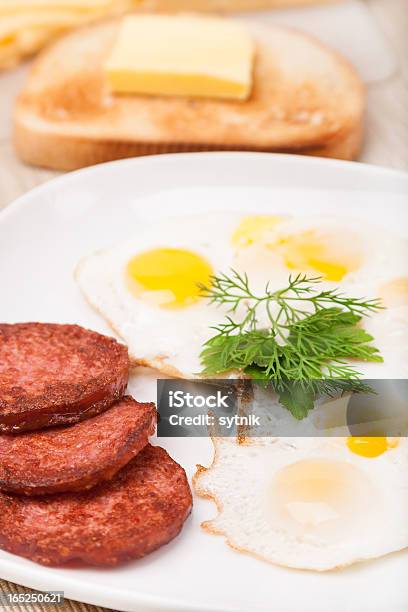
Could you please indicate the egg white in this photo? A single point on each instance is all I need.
(364, 519)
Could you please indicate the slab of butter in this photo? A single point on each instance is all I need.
(181, 55)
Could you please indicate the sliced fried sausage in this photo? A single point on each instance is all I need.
(138, 511)
(57, 374)
(75, 457)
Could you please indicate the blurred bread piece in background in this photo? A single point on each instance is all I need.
(26, 26)
(305, 99)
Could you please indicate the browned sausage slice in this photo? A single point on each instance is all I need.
(75, 457)
(138, 511)
(57, 374)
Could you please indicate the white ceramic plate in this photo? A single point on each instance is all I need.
(42, 237)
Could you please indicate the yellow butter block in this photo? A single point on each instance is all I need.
(181, 55)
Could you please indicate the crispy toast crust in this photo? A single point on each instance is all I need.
(306, 99)
(61, 153)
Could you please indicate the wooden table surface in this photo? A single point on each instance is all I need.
(386, 144)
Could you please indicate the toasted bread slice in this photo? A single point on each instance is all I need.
(305, 99)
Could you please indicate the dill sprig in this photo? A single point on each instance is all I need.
(302, 351)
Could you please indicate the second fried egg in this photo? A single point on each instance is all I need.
(309, 503)
(148, 287)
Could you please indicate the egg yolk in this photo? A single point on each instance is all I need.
(319, 497)
(395, 292)
(370, 447)
(325, 255)
(312, 251)
(168, 277)
(253, 228)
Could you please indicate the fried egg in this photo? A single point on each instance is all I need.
(309, 503)
(313, 501)
(148, 287)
